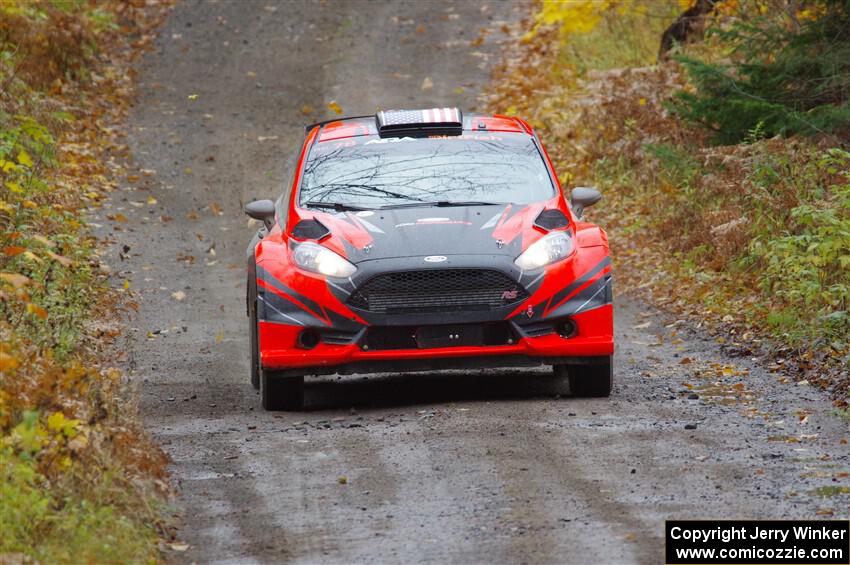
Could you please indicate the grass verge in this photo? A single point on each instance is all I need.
(79, 479)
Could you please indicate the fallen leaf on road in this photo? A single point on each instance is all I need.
(178, 546)
(178, 295)
(192, 97)
(219, 337)
(427, 84)
(336, 108)
(343, 480)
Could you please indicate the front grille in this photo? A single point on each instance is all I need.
(437, 290)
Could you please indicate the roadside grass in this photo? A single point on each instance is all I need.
(79, 479)
(750, 240)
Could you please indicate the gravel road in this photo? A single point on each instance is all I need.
(488, 466)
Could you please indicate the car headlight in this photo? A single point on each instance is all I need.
(548, 249)
(320, 259)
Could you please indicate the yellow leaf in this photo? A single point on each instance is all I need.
(192, 97)
(7, 166)
(37, 310)
(7, 362)
(44, 241)
(29, 204)
(335, 107)
(151, 200)
(17, 281)
(306, 109)
(219, 337)
(64, 261)
(32, 256)
(14, 187)
(5, 206)
(25, 159)
(56, 421)
(126, 284)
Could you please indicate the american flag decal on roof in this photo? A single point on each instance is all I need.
(414, 119)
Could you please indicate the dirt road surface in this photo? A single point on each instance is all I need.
(454, 467)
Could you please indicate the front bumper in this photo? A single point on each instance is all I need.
(592, 339)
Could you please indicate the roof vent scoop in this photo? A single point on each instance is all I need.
(432, 121)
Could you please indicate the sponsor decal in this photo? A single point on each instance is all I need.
(510, 294)
(433, 222)
(435, 258)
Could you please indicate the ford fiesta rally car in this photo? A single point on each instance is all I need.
(417, 240)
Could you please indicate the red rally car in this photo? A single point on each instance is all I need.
(418, 240)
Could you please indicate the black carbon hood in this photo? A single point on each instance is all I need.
(427, 231)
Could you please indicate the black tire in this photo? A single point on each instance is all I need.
(281, 393)
(591, 380)
(254, 333)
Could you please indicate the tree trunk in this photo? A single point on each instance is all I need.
(688, 23)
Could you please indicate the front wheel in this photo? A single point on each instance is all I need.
(281, 393)
(591, 380)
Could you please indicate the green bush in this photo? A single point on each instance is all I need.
(36, 521)
(807, 264)
(782, 79)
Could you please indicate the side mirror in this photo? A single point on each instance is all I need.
(262, 210)
(583, 197)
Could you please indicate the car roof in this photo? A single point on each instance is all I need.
(357, 126)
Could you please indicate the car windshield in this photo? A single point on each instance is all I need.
(371, 172)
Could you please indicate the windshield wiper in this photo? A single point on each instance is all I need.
(338, 206)
(442, 204)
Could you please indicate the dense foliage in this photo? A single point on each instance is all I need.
(752, 240)
(79, 480)
(783, 75)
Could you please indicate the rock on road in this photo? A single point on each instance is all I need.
(451, 467)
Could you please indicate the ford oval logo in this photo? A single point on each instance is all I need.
(435, 258)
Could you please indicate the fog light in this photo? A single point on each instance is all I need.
(567, 328)
(308, 339)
